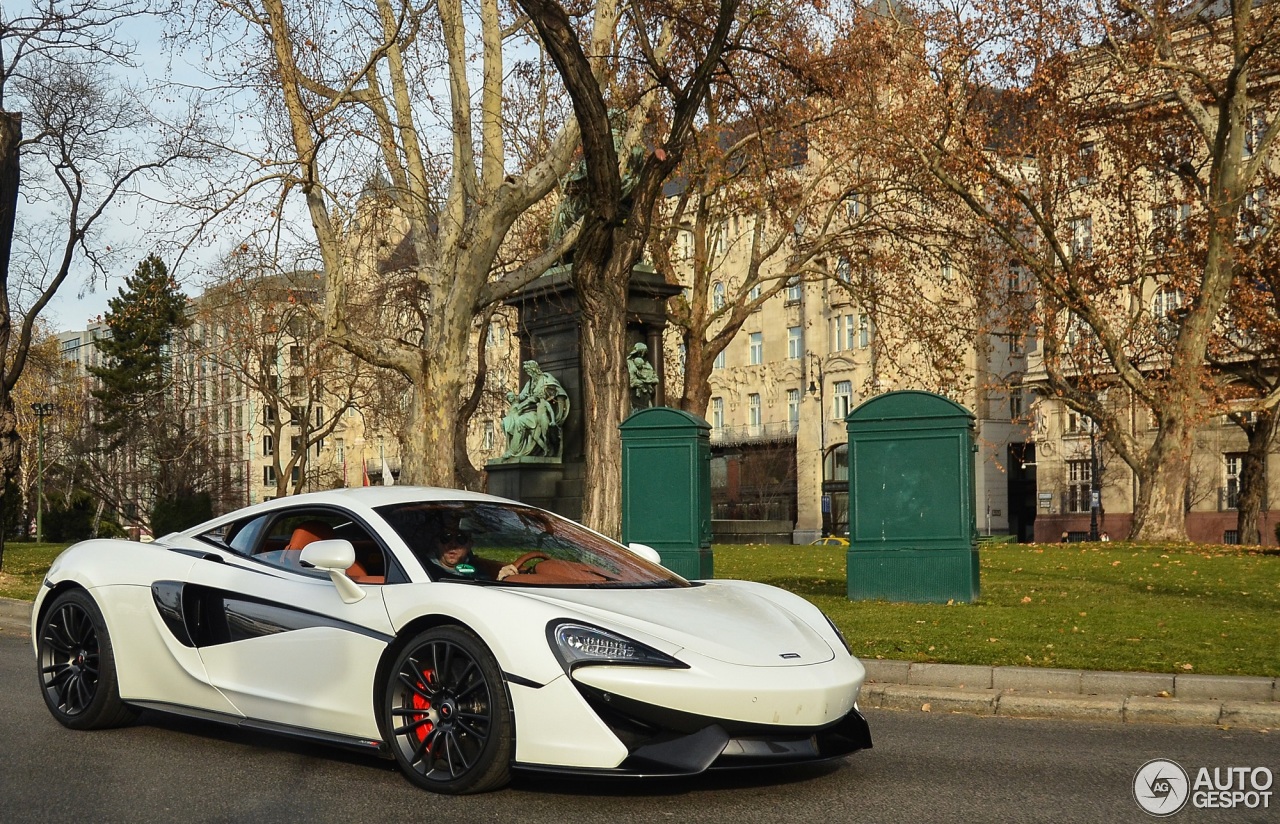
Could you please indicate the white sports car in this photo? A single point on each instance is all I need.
(460, 634)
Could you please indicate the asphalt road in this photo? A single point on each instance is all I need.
(924, 768)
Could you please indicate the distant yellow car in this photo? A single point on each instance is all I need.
(830, 540)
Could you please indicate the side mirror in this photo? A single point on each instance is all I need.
(647, 552)
(334, 557)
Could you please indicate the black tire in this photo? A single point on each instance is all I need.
(447, 715)
(78, 667)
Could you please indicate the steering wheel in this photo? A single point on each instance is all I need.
(530, 556)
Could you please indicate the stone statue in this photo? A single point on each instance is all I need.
(642, 375)
(573, 194)
(534, 417)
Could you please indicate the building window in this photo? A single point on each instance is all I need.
(1079, 485)
(756, 349)
(717, 414)
(844, 270)
(794, 290)
(717, 296)
(1234, 461)
(1087, 160)
(340, 450)
(268, 475)
(793, 410)
(1255, 214)
(842, 400)
(268, 446)
(1017, 278)
(720, 360)
(753, 413)
(1081, 230)
(1015, 404)
(845, 332)
(754, 293)
(855, 206)
(486, 441)
(1169, 223)
(1255, 128)
(864, 331)
(795, 343)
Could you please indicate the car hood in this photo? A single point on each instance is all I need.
(720, 622)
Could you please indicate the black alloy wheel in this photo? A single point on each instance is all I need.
(77, 665)
(447, 715)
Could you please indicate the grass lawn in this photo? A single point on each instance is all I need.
(1116, 606)
(24, 568)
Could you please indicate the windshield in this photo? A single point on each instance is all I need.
(511, 545)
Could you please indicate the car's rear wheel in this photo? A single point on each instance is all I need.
(78, 666)
(447, 715)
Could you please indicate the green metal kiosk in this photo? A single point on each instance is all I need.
(666, 487)
(912, 527)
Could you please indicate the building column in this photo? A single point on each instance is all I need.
(809, 449)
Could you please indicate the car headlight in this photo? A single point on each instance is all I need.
(576, 644)
(839, 634)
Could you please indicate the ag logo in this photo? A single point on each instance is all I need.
(1161, 787)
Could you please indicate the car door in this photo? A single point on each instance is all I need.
(277, 639)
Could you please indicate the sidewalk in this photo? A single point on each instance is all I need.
(1021, 692)
(1081, 695)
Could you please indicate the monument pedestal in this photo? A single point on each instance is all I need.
(550, 320)
(553, 486)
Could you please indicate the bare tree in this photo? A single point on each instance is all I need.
(1080, 136)
(456, 165)
(262, 329)
(87, 144)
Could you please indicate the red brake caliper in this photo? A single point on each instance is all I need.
(421, 703)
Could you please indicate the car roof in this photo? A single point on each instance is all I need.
(361, 497)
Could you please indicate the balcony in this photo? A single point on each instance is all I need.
(754, 433)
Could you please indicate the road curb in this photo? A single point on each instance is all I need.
(1082, 695)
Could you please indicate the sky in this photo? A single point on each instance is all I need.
(125, 226)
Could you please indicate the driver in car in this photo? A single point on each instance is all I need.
(453, 557)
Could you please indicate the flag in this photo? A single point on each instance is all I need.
(364, 468)
(387, 480)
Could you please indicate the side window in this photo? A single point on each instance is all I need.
(288, 534)
(245, 538)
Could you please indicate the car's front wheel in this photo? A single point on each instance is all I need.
(447, 714)
(78, 666)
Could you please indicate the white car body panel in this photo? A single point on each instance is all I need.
(318, 678)
(292, 653)
(804, 696)
(555, 730)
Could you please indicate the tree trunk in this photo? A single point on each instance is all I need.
(427, 454)
(1161, 511)
(10, 444)
(1253, 485)
(696, 394)
(10, 453)
(601, 274)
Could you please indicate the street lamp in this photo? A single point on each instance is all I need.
(42, 410)
(1095, 491)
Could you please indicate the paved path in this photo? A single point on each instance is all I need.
(1022, 692)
